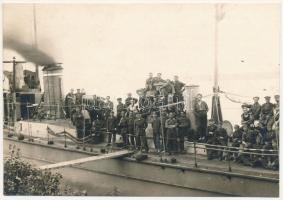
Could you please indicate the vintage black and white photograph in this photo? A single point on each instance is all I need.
(140, 99)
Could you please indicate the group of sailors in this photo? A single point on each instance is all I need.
(255, 142)
(157, 120)
(137, 121)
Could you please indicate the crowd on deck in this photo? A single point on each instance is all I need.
(255, 142)
(157, 120)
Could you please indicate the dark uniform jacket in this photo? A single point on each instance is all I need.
(249, 137)
(149, 81)
(267, 109)
(200, 108)
(256, 109)
(139, 126)
(79, 98)
(131, 124)
(108, 105)
(123, 125)
(247, 118)
(222, 136)
(237, 136)
(120, 108)
(111, 123)
(211, 138)
(183, 122)
(156, 125)
(178, 85)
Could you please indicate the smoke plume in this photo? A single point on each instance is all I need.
(29, 52)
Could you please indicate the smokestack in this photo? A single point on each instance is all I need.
(53, 90)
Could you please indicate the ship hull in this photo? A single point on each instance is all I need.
(127, 177)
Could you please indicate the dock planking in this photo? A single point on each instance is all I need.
(69, 163)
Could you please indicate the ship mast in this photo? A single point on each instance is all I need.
(216, 50)
(216, 113)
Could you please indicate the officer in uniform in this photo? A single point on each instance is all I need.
(266, 111)
(108, 106)
(111, 124)
(140, 132)
(124, 128)
(183, 129)
(171, 127)
(200, 111)
(256, 108)
(156, 126)
(131, 128)
(120, 107)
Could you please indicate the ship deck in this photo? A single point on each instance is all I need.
(188, 160)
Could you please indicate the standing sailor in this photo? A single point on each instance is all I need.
(156, 126)
(70, 101)
(200, 111)
(183, 129)
(111, 124)
(131, 129)
(256, 108)
(120, 107)
(140, 132)
(124, 128)
(171, 126)
(266, 111)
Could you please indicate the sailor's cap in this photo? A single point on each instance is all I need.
(119, 99)
(267, 97)
(256, 97)
(277, 96)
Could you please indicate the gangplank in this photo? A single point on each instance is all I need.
(116, 154)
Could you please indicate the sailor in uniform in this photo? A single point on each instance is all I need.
(171, 127)
(266, 111)
(200, 111)
(140, 132)
(183, 129)
(111, 126)
(120, 107)
(256, 108)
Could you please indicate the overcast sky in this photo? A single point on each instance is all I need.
(109, 49)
